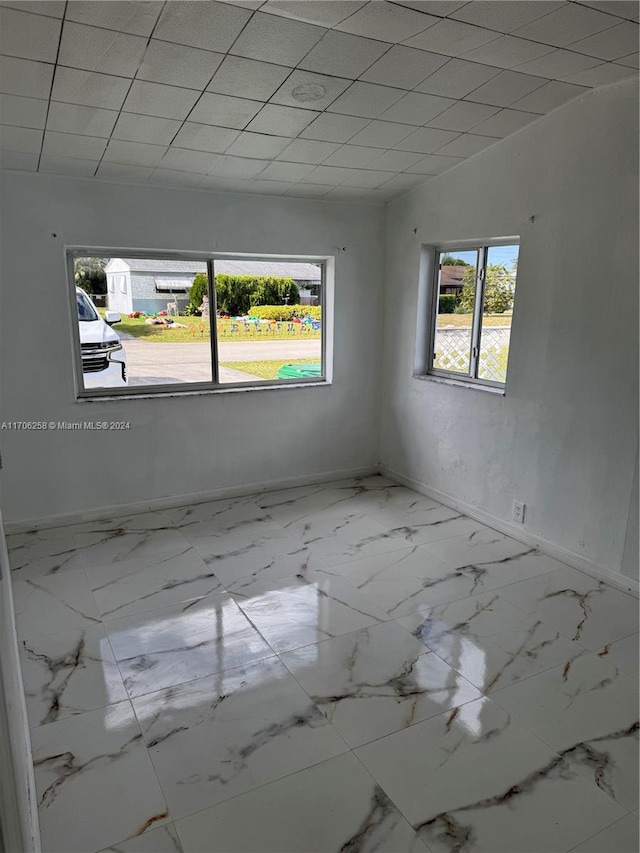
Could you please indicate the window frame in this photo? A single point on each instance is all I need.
(482, 248)
(214, 386)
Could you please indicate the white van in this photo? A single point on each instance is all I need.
(104, 361)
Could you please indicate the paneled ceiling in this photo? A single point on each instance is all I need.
(334, 99)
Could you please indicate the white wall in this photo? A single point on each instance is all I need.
(186, 444)
(564, 438)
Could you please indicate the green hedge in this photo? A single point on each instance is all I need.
(285, 312)
(447, 303)
(236, 294)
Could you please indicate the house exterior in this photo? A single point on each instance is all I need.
(451, 279)
(138, 284)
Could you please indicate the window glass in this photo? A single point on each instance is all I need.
(497, 311)
(456, 302)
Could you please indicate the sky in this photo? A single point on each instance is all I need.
(497, 255)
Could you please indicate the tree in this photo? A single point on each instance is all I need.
(90, 275)
(450, 261)
(199, 288)
(236, 294)
(499, 288)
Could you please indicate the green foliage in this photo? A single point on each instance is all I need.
(90, 275)
(450, 261)
(499, 289)
(286, 312)
(199, 288)
(237, 294)
(447, 303)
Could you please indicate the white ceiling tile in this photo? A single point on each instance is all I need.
(457, 78)
(600, 75)
(466, 145)
(548, 97)
(72, 145)
(25, 77)
(314, 11)
(53, 8)
(434, 164)
(185, 160)
(246, 78)
(504, 123)
(623, 8)
(218, 184)
(426, 140)
(353, 157)
(212, 26)
(138, 18)
(178, 65)
(382, 134)
(258, 145)
(74, 167)
(309, 90)
(333, 127)
(463, 115)
(442, 8)
(224, 111)
(89, 89)
(27, 140)
(174, 178)
(308, 151)
(29, 36)
(343, 55)
(205, 137)
(395, 161)
(156, 99)
(504, 17)
(630, 61)
(383, 21)
(507, 87)
(95, 49)
(19, 160)
(403, 182)
(86, 121)
(560, 63)
(135, 128)
(308, 190)
(134, 153)
(238, 167)
(368, 179)
(124, 172)
(508, 51)
(366, 100)
(614, 43)
(290, 172)
(404, 67)
(452, 38)
(345, 193)
(271, 38)
(331, 175)
(269, 187)
(281, 121)
(566, 25)
(23, 112)
(417, 108)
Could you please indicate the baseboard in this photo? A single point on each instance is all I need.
(564, 555)
(171, 501)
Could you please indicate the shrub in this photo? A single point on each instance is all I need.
(199, 288)
(286, 312)
(447, 303)
(236, 294)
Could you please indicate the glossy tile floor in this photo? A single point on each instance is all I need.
(348, 667)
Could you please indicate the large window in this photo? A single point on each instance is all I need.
(197, 323)
(471, 311)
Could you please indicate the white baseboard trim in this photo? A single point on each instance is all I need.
(564, 555)
(171, 501)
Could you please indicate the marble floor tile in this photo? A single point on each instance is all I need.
(620, 837)
(530, 564)
(162, 840)
(95, 782)
(587, 710)
(264, 537)
(101, 547)
(473, 779)
(172, 645)
(195, 513)
(489, 641)
(42, 552)
(480, 546)
(623, 654)
(376, 681)
(579, 606)
(295, 612)
(138, 522)
(289, 505)
(147, 583)
(68, 673)
(221, 518)
(54, 603)
(334, 807)
(224, 735)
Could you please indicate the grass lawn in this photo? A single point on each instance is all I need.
(464, 321)
(263, 369)
(197, 330)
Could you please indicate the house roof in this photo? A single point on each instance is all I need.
(451, 276)
(277, 269)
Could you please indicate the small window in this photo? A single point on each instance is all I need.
(200, 323)
(471, 313)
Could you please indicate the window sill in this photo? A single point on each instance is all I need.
(199, 392)
(461, 383)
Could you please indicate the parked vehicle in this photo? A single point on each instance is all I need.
(104, 361)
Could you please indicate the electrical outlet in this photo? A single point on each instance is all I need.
(518, 511)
